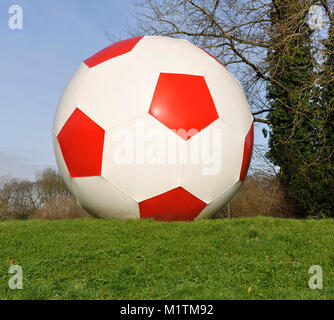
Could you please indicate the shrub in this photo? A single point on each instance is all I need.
(261, 195)
(60, 207)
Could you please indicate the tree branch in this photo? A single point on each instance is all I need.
(261, 111)
(262, 121)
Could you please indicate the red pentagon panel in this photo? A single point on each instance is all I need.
(116, 49)
(81, 143)
(183, 101)
(175, 205)
(248, 150)
(214, 58)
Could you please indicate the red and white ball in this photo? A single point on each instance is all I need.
(153, 127)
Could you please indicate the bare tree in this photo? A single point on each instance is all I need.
(237, 32)
(50, 185)
(55, 200)
(45, 198)
(4, 198)
(19, 198)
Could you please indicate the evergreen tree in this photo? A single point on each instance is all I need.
(323, 168)
(301, 137)
(291, 130)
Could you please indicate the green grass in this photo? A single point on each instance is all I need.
(254, 258)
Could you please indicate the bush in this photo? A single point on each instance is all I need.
(45, 198)
(261, 195)
(18, 199)
(60, 207)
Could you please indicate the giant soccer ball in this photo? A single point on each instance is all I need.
(153, 127)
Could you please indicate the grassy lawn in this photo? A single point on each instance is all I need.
(254, 258)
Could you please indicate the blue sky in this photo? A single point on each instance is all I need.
(36, 64)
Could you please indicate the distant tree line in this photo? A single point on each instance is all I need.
(47, 198)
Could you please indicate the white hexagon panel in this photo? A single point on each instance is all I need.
(153, 127)
(135, 157)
